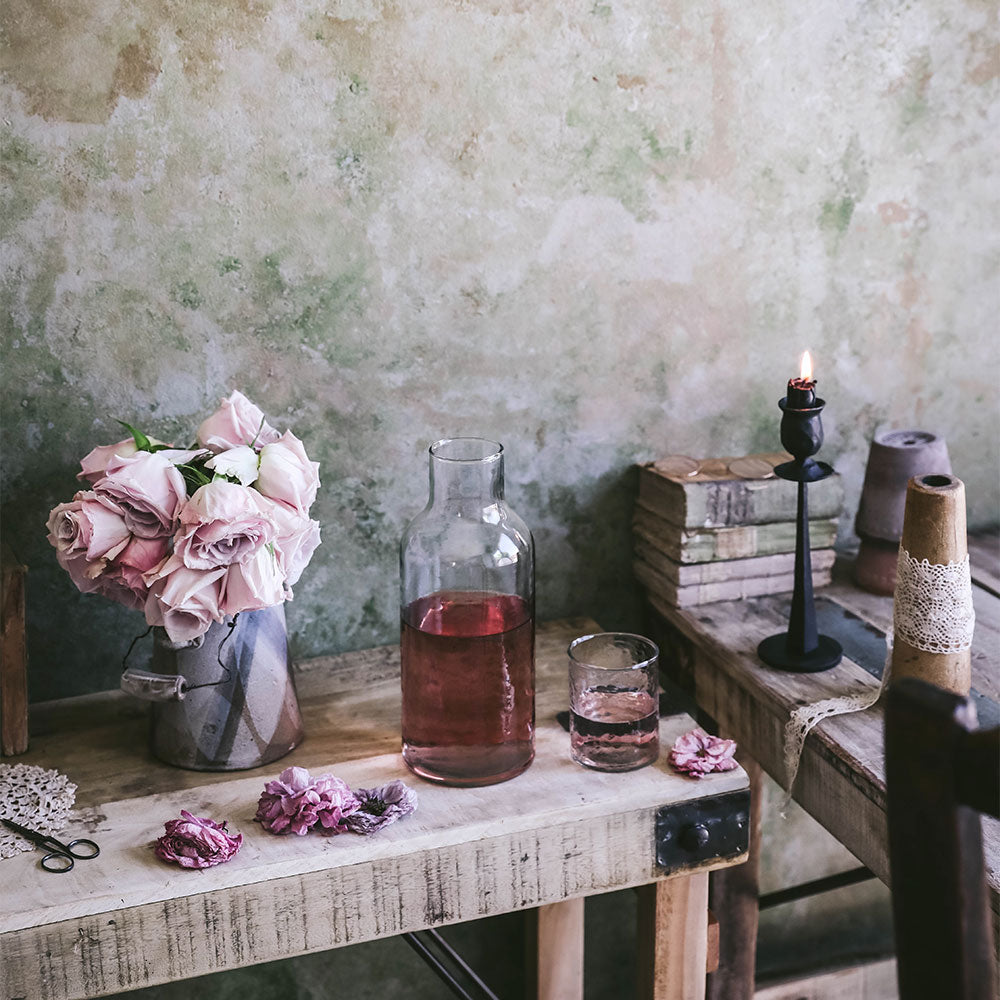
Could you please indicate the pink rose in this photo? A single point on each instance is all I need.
(696, 754)
(128, 570)
(296, 541)
(236, 422)
(95, 462)
(296, 802)
(91, 525)
(252, 585)
(286, 474)
(194, 842)
(148, 489)
(183, 601)
(222, 524)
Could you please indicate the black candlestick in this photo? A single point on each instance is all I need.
(801, 649)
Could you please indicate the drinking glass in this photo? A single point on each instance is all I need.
(614, 704)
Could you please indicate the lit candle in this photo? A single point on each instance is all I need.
(802, 390)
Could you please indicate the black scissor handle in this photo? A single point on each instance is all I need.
(91, 850)
(61, 858)
(57, 861)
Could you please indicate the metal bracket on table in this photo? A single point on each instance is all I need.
(689, 833)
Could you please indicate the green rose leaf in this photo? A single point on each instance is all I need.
(141, 441)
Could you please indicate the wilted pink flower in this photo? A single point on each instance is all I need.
(93, 464)
(696, 754)
(296, 802)
(222, 524)
(236, 422)
(149, 491)
(183, 601)
(381, 806)
(194, 842)
(287, 475)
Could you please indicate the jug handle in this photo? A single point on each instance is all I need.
(153, 687)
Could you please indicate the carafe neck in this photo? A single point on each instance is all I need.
(466, 470)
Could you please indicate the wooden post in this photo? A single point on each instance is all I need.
(13, 658)
(555, 951)
(733, 896)
(673, 938)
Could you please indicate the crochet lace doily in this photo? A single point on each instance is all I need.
(35, 798)
(933, 610)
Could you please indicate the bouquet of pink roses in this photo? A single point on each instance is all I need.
(191, 536)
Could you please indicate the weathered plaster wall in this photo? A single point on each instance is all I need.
(599, 231)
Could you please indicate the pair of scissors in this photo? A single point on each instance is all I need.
(61, 856)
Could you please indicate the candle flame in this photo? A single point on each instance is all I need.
(806, 370)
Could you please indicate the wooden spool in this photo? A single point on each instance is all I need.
(934, 529)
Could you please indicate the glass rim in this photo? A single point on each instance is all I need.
(490, 451)
(641, 665)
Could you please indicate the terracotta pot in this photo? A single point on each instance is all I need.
(895, 457)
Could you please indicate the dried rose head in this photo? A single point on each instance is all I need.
(697, 754)
(296, 802)
(381, 806)
(195, 842)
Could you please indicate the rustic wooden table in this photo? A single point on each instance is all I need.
(541, 842)
(710, 651)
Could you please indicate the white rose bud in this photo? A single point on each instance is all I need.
(242, 462)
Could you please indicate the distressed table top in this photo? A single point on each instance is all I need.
(711, 652)
(126, 920)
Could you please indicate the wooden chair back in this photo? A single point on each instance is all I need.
(941, 773)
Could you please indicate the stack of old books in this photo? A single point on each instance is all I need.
(721, 529)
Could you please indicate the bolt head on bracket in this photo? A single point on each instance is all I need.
(690, 833)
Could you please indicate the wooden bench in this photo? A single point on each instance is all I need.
(540, 843)
(710, 651)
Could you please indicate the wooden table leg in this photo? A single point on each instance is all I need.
(673, 938)
(555, 951)
(733, 896)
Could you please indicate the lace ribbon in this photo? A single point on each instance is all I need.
(803, 719)
(933, 610)
(33, 797)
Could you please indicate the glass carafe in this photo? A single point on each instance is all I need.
(468, 624)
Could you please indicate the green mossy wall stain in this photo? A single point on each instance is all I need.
(187, 294)
(835, 216)
(229, 265)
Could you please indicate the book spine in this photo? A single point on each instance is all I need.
(684, 575)
(723, 590)
(735, 502)
(712, 545)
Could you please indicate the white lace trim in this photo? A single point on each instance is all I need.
(803, 719)
(933, 610)
(33, 797)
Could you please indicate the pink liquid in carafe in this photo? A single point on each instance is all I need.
(468, 679)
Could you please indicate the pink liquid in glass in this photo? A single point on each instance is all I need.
(614, 729)
(468, 678)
